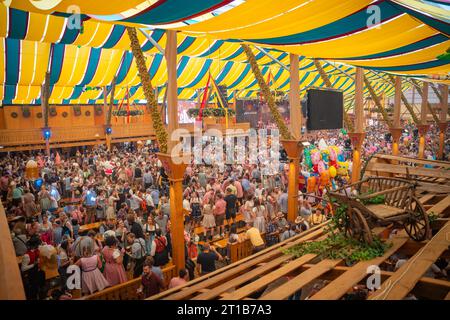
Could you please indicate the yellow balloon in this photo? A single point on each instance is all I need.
(332, 171)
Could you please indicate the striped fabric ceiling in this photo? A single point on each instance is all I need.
(407, 42)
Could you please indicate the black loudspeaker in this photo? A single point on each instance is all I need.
(325, 109)
(224, 95)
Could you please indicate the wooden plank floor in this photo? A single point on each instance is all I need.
(269, 278)
(405, 278)
(440, 207)
(228, 272)
(295, 284)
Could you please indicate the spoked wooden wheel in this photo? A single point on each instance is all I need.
(417, 225)
(356, 226)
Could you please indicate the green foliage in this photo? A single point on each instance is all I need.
(211, 112)
(124, 113)
(380, 199)
(338, 246)
(432, 217)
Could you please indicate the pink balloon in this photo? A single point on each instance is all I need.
(321, 167)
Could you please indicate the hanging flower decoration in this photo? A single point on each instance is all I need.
(124, 113)
(152, 103)
(211, 112)
(284, 131)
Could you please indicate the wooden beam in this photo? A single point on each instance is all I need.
(406, 103)
(397, 101)
(247, 276)
(267, 279)
(309, 234)
(441, 207)
(295, 284)
(274, 59)
(294, 98)
(11, 287)
(172, 87)
(377, 102)
(425, 104)
(400, 169)
(406, 277)
(444, 103)
(111, 101)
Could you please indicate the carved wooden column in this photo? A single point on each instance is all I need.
(396, 130)
(175, 168)
(294, 98)
(294, 149)
(423, 127)
(357, 137)
(172, 87)
(443, 119)
(173, 165)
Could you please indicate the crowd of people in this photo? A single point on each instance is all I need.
(126, 192)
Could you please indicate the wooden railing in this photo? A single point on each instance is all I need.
(241, 250)
(128, 290)
(28, 139)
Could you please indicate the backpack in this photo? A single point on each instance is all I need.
(161, 252)
(161, 244)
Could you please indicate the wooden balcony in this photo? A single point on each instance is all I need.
(31, 138)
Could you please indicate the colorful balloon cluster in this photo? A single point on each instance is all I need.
(323, 165)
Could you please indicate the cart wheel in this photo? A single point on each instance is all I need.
(417, 225)
(357, 227)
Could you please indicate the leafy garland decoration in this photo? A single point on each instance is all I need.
(337, 245)
(210, 112)
(284, 131)
(152, 104)
(124, 113)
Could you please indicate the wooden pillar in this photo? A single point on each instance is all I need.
(423, 127)
(294, 149)
(11, 287)
(396, 129)
(172, 88)
(294, 98)
(443, 119)
(357, 137)
(175, 172)
(45, 92)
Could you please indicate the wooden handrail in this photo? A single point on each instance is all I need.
(128, 290)
(11, 286)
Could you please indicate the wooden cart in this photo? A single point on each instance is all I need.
(401, 206)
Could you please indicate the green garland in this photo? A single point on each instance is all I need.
(284, 131)
(152, 104)
(211, 112)
(337, 245)
(124, 113)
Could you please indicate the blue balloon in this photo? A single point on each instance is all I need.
(38, 183)
(340, 158)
